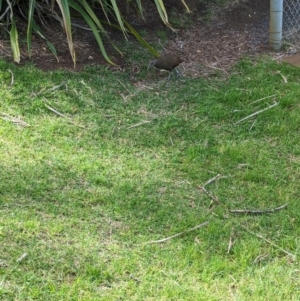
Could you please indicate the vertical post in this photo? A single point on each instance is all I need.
(275, 32)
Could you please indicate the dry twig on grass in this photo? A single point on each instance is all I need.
(255, 101)
(254, 212)
(175, 235)
(138, 124)
(269, 241)
(213, 198)
(256, 113)
(64, 116)
(22, 257)
(16, 121)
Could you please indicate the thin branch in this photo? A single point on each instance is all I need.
(213, 198)
(258, 112)
(175, 235)
(254, 212)
(131, 94)
(57, 87)
(283, 77)
(231, 241)
(14, 120)
(22, 257)
(64, 116)
(220, 65)
(217, 68)
(269, 241)
(217, 177)
(56, 112)
(138, 124)
(255, 101)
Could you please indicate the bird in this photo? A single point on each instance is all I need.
(167, 62)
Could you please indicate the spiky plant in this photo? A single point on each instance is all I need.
(36, 14)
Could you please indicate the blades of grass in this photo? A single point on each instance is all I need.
(29, 27)
(38, 31)
(65, 11)
(140, 39)
(93, 27)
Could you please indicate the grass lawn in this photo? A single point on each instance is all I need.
(82, 193)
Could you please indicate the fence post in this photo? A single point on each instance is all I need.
(275, 32)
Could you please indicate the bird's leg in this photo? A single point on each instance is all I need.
(170, 73)
(177, 72)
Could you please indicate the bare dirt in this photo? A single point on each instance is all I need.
(236, 30)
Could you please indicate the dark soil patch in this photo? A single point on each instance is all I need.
(234, 30)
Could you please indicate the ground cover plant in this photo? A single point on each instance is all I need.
(93, 168)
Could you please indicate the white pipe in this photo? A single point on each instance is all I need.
(275, 33)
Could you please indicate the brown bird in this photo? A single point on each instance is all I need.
(167, 62)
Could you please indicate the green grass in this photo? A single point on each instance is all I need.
(80, 195)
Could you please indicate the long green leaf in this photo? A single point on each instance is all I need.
(91, 13)
(13, 33)
(118, 15)
(103, 6)
(29, 27)
(14, 41)
(163, 13)
(65, 11)
(186, 7)
(140, 39)
(93, 27)
(38, 31)
(139, 4)
(93, 16)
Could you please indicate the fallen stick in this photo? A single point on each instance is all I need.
(212, 180)
(22, 257)
(256, 113)
(249, 211)
(64, 116)
(138, 124)
(269, 241)
(213, 198)
(175, 235)
(255, 101)
(57, 87)
(14, 120)
(56, 112)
